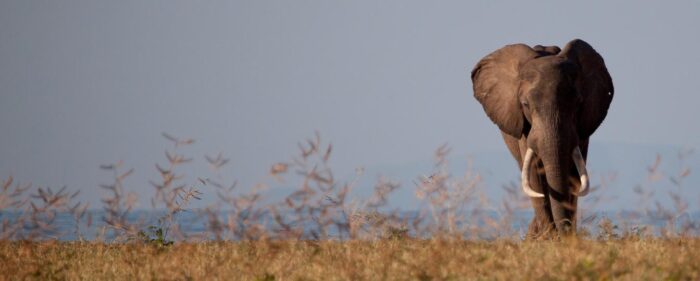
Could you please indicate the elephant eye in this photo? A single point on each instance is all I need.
(525, 103)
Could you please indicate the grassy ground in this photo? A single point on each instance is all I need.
(648, 259)
(320, 205)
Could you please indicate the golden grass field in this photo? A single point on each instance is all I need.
(319, 232)
(390, 259)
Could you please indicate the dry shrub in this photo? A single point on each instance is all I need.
(320, 207)
(318, 231)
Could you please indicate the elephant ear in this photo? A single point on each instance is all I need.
(593, 83)
(496, 80)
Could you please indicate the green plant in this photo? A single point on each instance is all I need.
(154, 235)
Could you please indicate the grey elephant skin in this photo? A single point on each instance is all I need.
(547, 102)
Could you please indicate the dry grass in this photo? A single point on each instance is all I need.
(318, 232)
(407, 259)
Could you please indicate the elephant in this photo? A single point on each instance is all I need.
(547, 102)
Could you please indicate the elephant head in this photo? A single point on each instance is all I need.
(550, 101)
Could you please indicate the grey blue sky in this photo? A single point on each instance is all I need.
(84, 83)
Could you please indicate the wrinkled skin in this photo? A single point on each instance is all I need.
(551, 101)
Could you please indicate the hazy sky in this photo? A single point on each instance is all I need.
(84, 83)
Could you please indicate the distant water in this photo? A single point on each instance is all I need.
(66, 229)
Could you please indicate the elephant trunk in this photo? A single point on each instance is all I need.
(557, 160)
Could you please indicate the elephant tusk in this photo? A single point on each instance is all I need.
(581, 167)
(525, 175)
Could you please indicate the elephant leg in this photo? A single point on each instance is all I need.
(542, 223)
